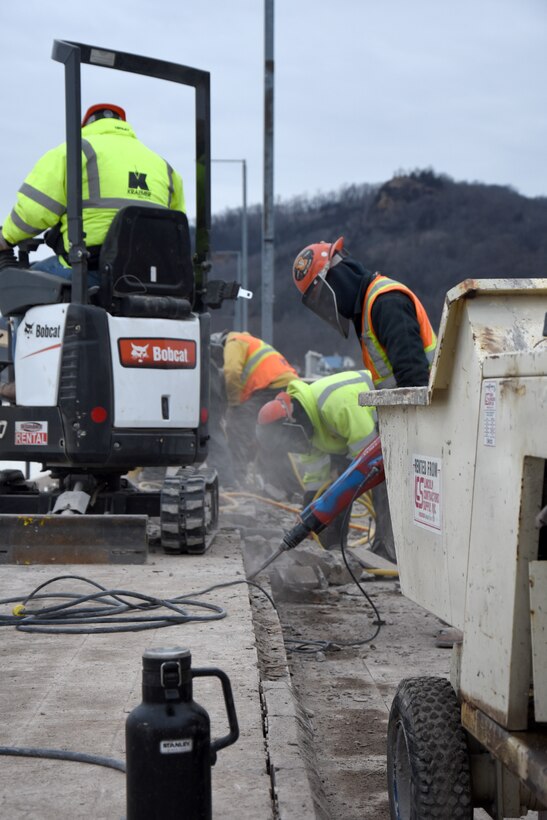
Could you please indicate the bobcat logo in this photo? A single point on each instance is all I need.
(28, 329)
(139, 352)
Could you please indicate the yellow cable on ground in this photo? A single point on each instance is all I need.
(387, 573)
(287, 507)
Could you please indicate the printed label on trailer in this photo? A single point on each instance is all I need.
(32, 433)
(176, 747)
(427, 492)
(158, 353)
(490, 400)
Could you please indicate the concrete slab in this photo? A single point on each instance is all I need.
(74, 692)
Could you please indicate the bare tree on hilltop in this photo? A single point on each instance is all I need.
(420, 227)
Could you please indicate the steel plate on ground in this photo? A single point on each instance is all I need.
(73, 539)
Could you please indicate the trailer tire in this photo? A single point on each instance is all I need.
(427, 757)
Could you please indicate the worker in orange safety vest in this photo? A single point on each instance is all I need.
(254, 372)
(397, 341)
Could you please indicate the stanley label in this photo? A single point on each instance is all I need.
(176, 747)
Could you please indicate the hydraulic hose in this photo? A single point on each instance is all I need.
(63, 754)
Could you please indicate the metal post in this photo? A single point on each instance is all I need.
(268, 207)
(69, 55)
(244, 253)
(243, 268)
(239, 303)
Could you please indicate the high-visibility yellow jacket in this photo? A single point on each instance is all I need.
(250, 365)
(117, 170)
(375, 357)
(340, 425)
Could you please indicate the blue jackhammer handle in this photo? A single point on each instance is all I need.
(232, 736)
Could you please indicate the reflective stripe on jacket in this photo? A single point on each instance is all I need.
(313, 469)
(250, 365)
(117, 170)
(374, 355)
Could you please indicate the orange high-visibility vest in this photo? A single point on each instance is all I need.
(263, 365)
(374, 355)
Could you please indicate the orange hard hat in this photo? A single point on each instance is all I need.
(278, 409)
(99, 110)
(277, 431)
(310, 275)
(315, 260)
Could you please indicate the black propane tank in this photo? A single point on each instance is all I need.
(168, 746)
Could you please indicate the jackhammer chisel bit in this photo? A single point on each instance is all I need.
(291, 539)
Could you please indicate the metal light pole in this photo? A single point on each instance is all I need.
(241, 304)
(268, 207)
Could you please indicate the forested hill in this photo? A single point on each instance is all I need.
(424, 229)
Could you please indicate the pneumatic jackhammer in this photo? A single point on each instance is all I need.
(364, 473)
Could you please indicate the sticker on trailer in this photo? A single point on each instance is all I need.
(33, 433)
(176, 747)
(490, 400)
(164, 354)
(427, 492)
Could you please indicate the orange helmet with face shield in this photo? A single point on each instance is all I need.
(310, 275)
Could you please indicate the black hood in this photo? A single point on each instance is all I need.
(348, 279)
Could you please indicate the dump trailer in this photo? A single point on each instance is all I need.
(114, 377)
(465, 463)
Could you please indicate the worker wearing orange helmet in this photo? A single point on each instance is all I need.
(117, 170)
(397, 340)
(323, 428)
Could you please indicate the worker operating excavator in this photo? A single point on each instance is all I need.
(322, 426)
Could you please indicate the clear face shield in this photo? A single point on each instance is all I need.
(321, 299)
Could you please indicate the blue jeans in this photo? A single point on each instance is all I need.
(53, 265)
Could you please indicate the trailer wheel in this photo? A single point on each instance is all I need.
(427, 758)
(189, 511)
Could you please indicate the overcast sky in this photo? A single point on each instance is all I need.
(363, 88)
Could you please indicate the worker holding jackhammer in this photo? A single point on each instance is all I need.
(117, 170)
(328, 435)
(396, 337)
(253, 373)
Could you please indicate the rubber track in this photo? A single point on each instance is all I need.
(189, 511)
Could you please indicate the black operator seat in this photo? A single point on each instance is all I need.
(147, 253)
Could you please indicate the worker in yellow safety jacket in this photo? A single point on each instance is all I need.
(253, 373)
(322, 428)
(117, 170)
